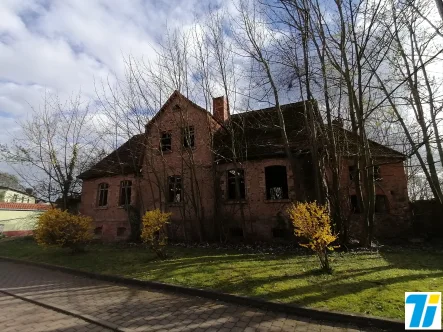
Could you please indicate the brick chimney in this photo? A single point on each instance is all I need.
(220, 109)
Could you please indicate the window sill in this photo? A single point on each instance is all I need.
(101, 207)
(286, 200)
(175, 204)
(123, 206)
(236, 201)
(164, 152)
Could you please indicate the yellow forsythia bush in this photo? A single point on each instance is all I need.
(62, 229)
(312, 223)
(153, 232)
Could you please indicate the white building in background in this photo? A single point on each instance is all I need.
(14, 195)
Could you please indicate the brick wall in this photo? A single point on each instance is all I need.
(194, 165)
(204, 187)
(112, 216)
(261, 216)
(396, 221)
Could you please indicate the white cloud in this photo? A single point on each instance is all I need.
(63, 47)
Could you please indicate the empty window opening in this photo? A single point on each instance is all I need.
(166, 141)
(353, 173)
(381, 204)
(377, 173)
(354, 204)
(236, 231)
(103, 194)
(98, 230)
(279, 233)
(188, 137)
(121, 231)
(174, 189)
(276, 182)
(125, 192)
(236, 184)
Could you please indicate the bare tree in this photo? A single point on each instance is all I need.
(414, 51)
(54, 146)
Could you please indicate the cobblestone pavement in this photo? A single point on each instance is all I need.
(18, 315)
(129, 308)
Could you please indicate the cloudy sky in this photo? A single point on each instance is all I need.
(62, 47)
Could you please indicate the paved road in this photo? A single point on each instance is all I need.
(98, 304)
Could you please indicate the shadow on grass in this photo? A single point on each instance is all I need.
(414, 259)
(359, 279)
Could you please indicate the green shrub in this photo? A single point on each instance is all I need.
(313, 224)
(153, 232)
(57, 228)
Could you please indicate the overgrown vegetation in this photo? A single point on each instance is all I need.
(364, 282)
(313, 224)
(57, 228)
(153, 233)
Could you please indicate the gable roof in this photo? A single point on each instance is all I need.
(348, 142)
(124, 160)
(257, 135)
(177, 95)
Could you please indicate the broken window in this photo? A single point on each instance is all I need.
(98, 230)
(354, 204)
(188, 137)
(103, 194)
(235, 178)
(377, 173)
(381, 204)
(125, 192)
(166, 141)
(353, 173)
(279, 233)
(236, 231)
(174, 189)
(121, 231)
(276, 182)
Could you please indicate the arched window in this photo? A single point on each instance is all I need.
(125, 192)
(102, 194)
(276, 182)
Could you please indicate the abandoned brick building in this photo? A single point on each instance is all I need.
(225, 175)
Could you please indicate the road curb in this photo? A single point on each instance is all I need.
(316, 314)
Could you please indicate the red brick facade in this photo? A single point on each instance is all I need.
(200, 204)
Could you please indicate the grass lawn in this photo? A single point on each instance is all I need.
(369, 283)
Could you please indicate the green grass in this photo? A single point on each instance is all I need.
(368, 283)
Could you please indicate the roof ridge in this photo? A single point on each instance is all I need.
(271, 108)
